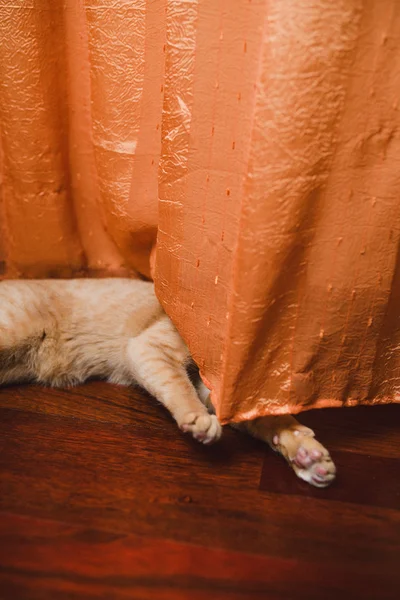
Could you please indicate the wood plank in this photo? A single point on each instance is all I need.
(365, 430)
(132, 479)
(371, 430)
(374, 482)
(44, 559)
(94, 401)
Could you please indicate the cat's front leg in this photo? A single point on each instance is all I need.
(156, 361)
(204, 427)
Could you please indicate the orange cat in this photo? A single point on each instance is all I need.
(61, 332)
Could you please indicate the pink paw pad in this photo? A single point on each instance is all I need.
(316, 454)
(321, 471)
(305, 459)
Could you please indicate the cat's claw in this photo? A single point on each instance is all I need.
(308, 458)
(204, 428)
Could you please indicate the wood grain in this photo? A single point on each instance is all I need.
(371, 480)
(57, 557)
(102, 497)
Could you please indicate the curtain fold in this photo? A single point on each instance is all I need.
(81, 88)
(277, 252)
(257, 142)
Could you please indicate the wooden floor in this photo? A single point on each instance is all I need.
(102, 497)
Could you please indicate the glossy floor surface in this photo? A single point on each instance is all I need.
(102, 497)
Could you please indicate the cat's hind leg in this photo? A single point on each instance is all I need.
(307, 457)
(21, 331)
(16, 357)
(16, 374)
(156, 359)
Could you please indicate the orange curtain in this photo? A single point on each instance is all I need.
(279, 189)
(80, 115)
(260, 139)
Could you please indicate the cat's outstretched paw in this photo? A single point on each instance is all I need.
(308, 458)
(204, 428)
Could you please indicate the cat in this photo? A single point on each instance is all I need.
(63, 332)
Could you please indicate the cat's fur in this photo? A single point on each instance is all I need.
(62, 332)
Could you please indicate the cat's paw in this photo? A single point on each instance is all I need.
(308, 458)
(204, 428)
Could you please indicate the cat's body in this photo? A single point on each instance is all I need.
(69, 330)
(63, 332)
